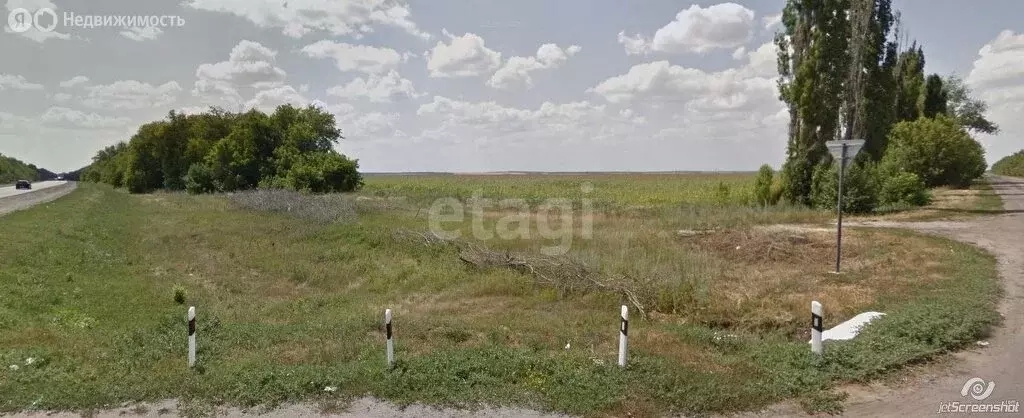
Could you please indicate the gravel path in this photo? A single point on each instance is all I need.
(1002, 361)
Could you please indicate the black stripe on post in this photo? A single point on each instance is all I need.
(816, 322)
(388, 328)
(625, 326)
(191, 327)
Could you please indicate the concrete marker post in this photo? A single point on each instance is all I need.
(191, 336)
(623, 335)
(816, 328)
(390, 341)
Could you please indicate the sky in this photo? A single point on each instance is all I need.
(461, 86)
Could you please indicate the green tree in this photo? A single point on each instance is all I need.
(939, 151)
(934, 97)
(969, 111)
(763, 186)
(1011, 165)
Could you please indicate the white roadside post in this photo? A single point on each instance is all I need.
(816, 328)
(623, 335)
(844, 151)
(390, 343)
(191, 336)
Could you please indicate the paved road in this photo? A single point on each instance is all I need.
(14, 200)
(1002, 362)
(8, 191)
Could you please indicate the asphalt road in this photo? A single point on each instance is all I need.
(8, 191)
(12, 200)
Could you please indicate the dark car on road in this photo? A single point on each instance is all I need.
(23, 184)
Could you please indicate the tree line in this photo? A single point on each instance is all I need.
(13, 169)
(847, 73)
(219, 151)
(1011, 165)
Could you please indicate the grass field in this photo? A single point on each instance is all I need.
(95, 287)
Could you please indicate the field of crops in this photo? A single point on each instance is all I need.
(605, 189)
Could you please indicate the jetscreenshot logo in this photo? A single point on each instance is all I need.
(47, 20)
(979, 390)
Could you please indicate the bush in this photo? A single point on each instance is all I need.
(324, 173)
(763, 195)
(939, 151)
(860, 187)
(1012, 165)
(904, 189)
(199, 179)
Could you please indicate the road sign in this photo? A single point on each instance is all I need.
(853, 146)
(843, 151)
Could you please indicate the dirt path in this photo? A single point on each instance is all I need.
(1002, 361)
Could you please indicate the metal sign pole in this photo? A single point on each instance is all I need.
(839, 208)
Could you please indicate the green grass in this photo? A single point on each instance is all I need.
(96, 285)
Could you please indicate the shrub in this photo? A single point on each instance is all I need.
(179, 294)
(904, 189)
(860, 187)
(199, 179)
(763, 186)
(939, 151)
(1012, 165)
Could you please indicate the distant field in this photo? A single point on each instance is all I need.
(290, 291)
(609, 189)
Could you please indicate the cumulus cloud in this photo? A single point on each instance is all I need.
(33, 33)
(463, 56)
(75, 81)
(348, 57)
(131, 94)
(269, 99)
(771, 21)
(696, 29)
(139, 34)
(997, 77)
(516, 71)
(250, 65)
(297, 18)
(17, 82)
(376, 88)
(70, 118)
(361, 126)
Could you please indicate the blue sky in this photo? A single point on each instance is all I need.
(483, 85)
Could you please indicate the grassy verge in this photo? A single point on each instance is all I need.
(952, 204)
(96, 286)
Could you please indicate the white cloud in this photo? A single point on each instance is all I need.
(250, 65)
(348, 57)
(297, 18)
(635, 44)
(61, 97)
(362, 126)
(516, 71)
(75, 81)
(697, 29)
(269, 99)
(70, 118)
(140, 34)
(997, 77)
(1000, 62)
(376, 88)
(17, 82)
(33, 33)
(464, 56)
(771, 21)
(131, 94)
